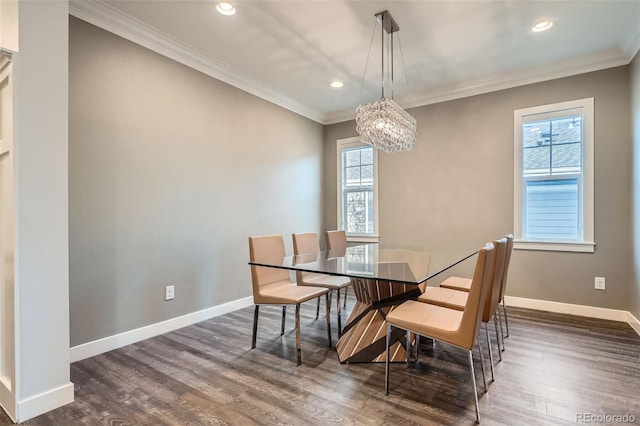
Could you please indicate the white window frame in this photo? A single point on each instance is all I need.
(586, 194)
(342, 144)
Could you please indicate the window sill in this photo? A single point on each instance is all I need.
(555, 246)
(363, 238)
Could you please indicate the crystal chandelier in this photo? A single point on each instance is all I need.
(383, 124)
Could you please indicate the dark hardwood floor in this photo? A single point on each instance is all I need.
(555, 367)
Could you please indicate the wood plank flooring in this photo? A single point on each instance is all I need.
(555, 366)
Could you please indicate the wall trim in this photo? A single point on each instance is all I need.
(633, 322)
(569, 308)
(7, 400)
(101, 14)
(44, 402)
(106, 344)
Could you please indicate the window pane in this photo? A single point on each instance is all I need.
(567, 130)
(567, 158)
(367, 175)
(551, 210)
(352, 157)
(359, 212)
(532, 133)
(367, 155)
(536, 160)
(353, 176)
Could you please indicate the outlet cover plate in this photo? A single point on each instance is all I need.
(169, 292)
(599, 283)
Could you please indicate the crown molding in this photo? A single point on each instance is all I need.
(603, 60)
(107, 17)
(110, 19)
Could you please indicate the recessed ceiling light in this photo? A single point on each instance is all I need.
(337, 84)
(542, 26)
(225, 8)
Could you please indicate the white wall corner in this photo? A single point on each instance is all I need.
(106, 344)
(631, 44)
(39, 404)
(571, 309)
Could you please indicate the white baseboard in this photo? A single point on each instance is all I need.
(633, 322)
(569, 308)
(7, 400)
(44, 402)
(106, 344)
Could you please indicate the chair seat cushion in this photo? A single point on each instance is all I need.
(285, 293)
(427, 320)
(457, 283)
(332, 282)
(445, 297)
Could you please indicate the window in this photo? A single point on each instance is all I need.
(357, 190)
(553, 188)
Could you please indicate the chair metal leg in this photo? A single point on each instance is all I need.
(506, 320)
(346, 289)
(495, 324)
(484, 373)
(328, 315)
(284, 318)
(486, 328)
(318, 309)
(255, 327)
(501, 330)
(387, 361)
(339, 313)
(475, 389)
(408, 350)
(299, 353)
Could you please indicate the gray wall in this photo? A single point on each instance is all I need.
(635, 111)
(169, 172)
(456, 187)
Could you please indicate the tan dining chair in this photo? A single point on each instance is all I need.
(304, 243)
(503, 288)
(336, 242)
(456, 299)
(462, 284)
(458, 328)
(272, 286)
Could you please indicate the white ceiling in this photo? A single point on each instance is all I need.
(289, 51)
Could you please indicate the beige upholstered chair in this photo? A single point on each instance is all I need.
(459, 328)
(503, 288)
(336, 240)
(337, 243)
(456, 299)
(308, 243)
(272, 286)
(462, 284)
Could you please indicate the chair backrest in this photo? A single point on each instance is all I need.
(305, 243)
(503, 284)
(302, 244)
(493, 292)
(472, 315)
(266, 247)
(336, 240)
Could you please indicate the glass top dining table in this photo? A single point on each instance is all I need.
(373, 261)
(382, 278)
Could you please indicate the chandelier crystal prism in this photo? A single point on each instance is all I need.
(383, 124)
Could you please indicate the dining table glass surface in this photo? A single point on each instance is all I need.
(373, 261)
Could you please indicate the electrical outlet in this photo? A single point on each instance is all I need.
(169, 292)
(599, 283)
